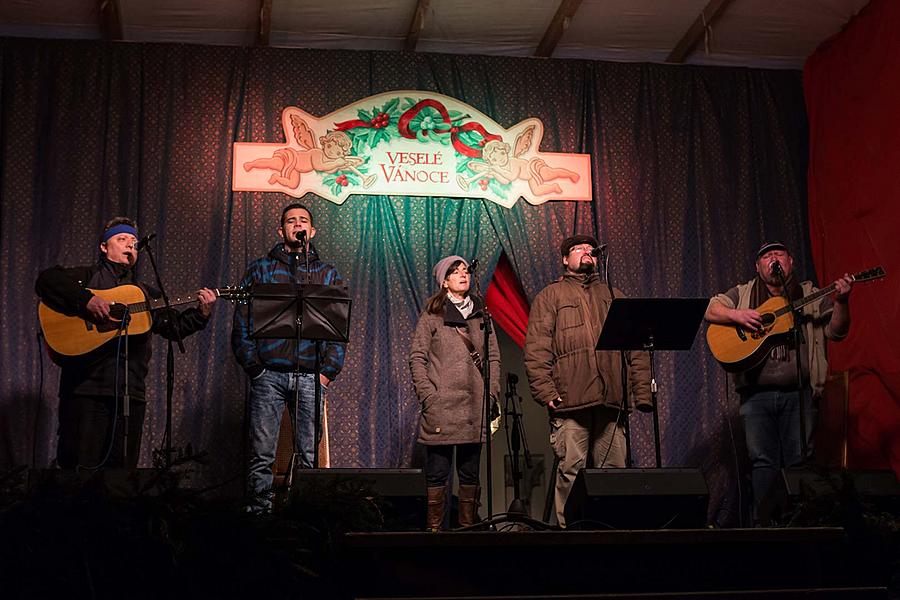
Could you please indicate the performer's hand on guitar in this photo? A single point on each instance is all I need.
(207, 298)
(747, 318)
(842, 286)
(98, 308)
(324, 381)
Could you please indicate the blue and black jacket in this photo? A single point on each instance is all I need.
(284, 355)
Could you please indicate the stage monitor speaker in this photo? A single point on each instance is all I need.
(878, 489)
(638, 499)
(399, 493)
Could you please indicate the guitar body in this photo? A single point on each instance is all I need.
(738, 349)
(69, 335)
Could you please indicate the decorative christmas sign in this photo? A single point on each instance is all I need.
(411, 144)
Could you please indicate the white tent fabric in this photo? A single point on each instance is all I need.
(754, 33)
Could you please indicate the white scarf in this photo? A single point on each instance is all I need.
(465, 306)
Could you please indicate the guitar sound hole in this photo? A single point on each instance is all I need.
(117, 311)
(767, 319)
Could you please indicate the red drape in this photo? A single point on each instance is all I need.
(506, 300)
(852, 95)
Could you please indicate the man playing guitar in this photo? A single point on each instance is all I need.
(91, 421)
(769, 390)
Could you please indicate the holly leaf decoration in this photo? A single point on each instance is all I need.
(391, 106)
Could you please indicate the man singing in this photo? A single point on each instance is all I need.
(91, 386)
(278, 367)
(770, 393)
(580, 386)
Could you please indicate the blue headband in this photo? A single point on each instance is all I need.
(120, 228)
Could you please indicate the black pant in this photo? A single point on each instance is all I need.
(438, 459)
(86, 429)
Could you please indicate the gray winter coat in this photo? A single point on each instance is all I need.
(449, 386)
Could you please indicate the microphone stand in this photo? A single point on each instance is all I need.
(170, 360)
(517, 437)
(626, 430)
(295, 437)
(317, 379)
(317, 383)
(487, 328)
(798, 340)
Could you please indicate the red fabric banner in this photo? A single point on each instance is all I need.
(506, 300)
(852, 95)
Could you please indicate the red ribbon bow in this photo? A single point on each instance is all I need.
(407, 117)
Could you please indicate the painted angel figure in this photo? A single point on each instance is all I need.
(289, 163)
(496, 163)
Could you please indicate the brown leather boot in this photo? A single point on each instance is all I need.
(468, 504)
(436, 501)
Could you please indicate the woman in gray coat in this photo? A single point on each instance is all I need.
(445, 362)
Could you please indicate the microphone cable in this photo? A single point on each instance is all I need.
(37, 414)
(115, 412)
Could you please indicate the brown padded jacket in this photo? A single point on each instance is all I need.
(563, 327)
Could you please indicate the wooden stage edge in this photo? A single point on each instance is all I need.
(499, 539)
(680, 563)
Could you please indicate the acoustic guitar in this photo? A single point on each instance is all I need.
(738, 349)
(70, 335)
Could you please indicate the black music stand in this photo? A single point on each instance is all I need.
(316, 312)
(652, 324)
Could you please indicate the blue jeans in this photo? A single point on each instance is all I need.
(772, 429)
(270, 392)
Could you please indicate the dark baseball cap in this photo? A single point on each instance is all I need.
(575, 240)
(771, 246)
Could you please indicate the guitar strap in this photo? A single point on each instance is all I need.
(473, 353)
(479, 364)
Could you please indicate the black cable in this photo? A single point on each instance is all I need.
(37, 414)
(669, 522)
(578, 525)
(115, 419)
(612, 438)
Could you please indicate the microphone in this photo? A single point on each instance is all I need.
(473, 266)
(144, 242)
(301, 236)
(599, 250)
(775, 267)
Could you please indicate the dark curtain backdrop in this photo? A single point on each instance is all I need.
(693, 168)
(852, 92)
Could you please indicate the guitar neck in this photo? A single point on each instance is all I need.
(798, 304)
(813, 297)
(869, 275)
(156, 303)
